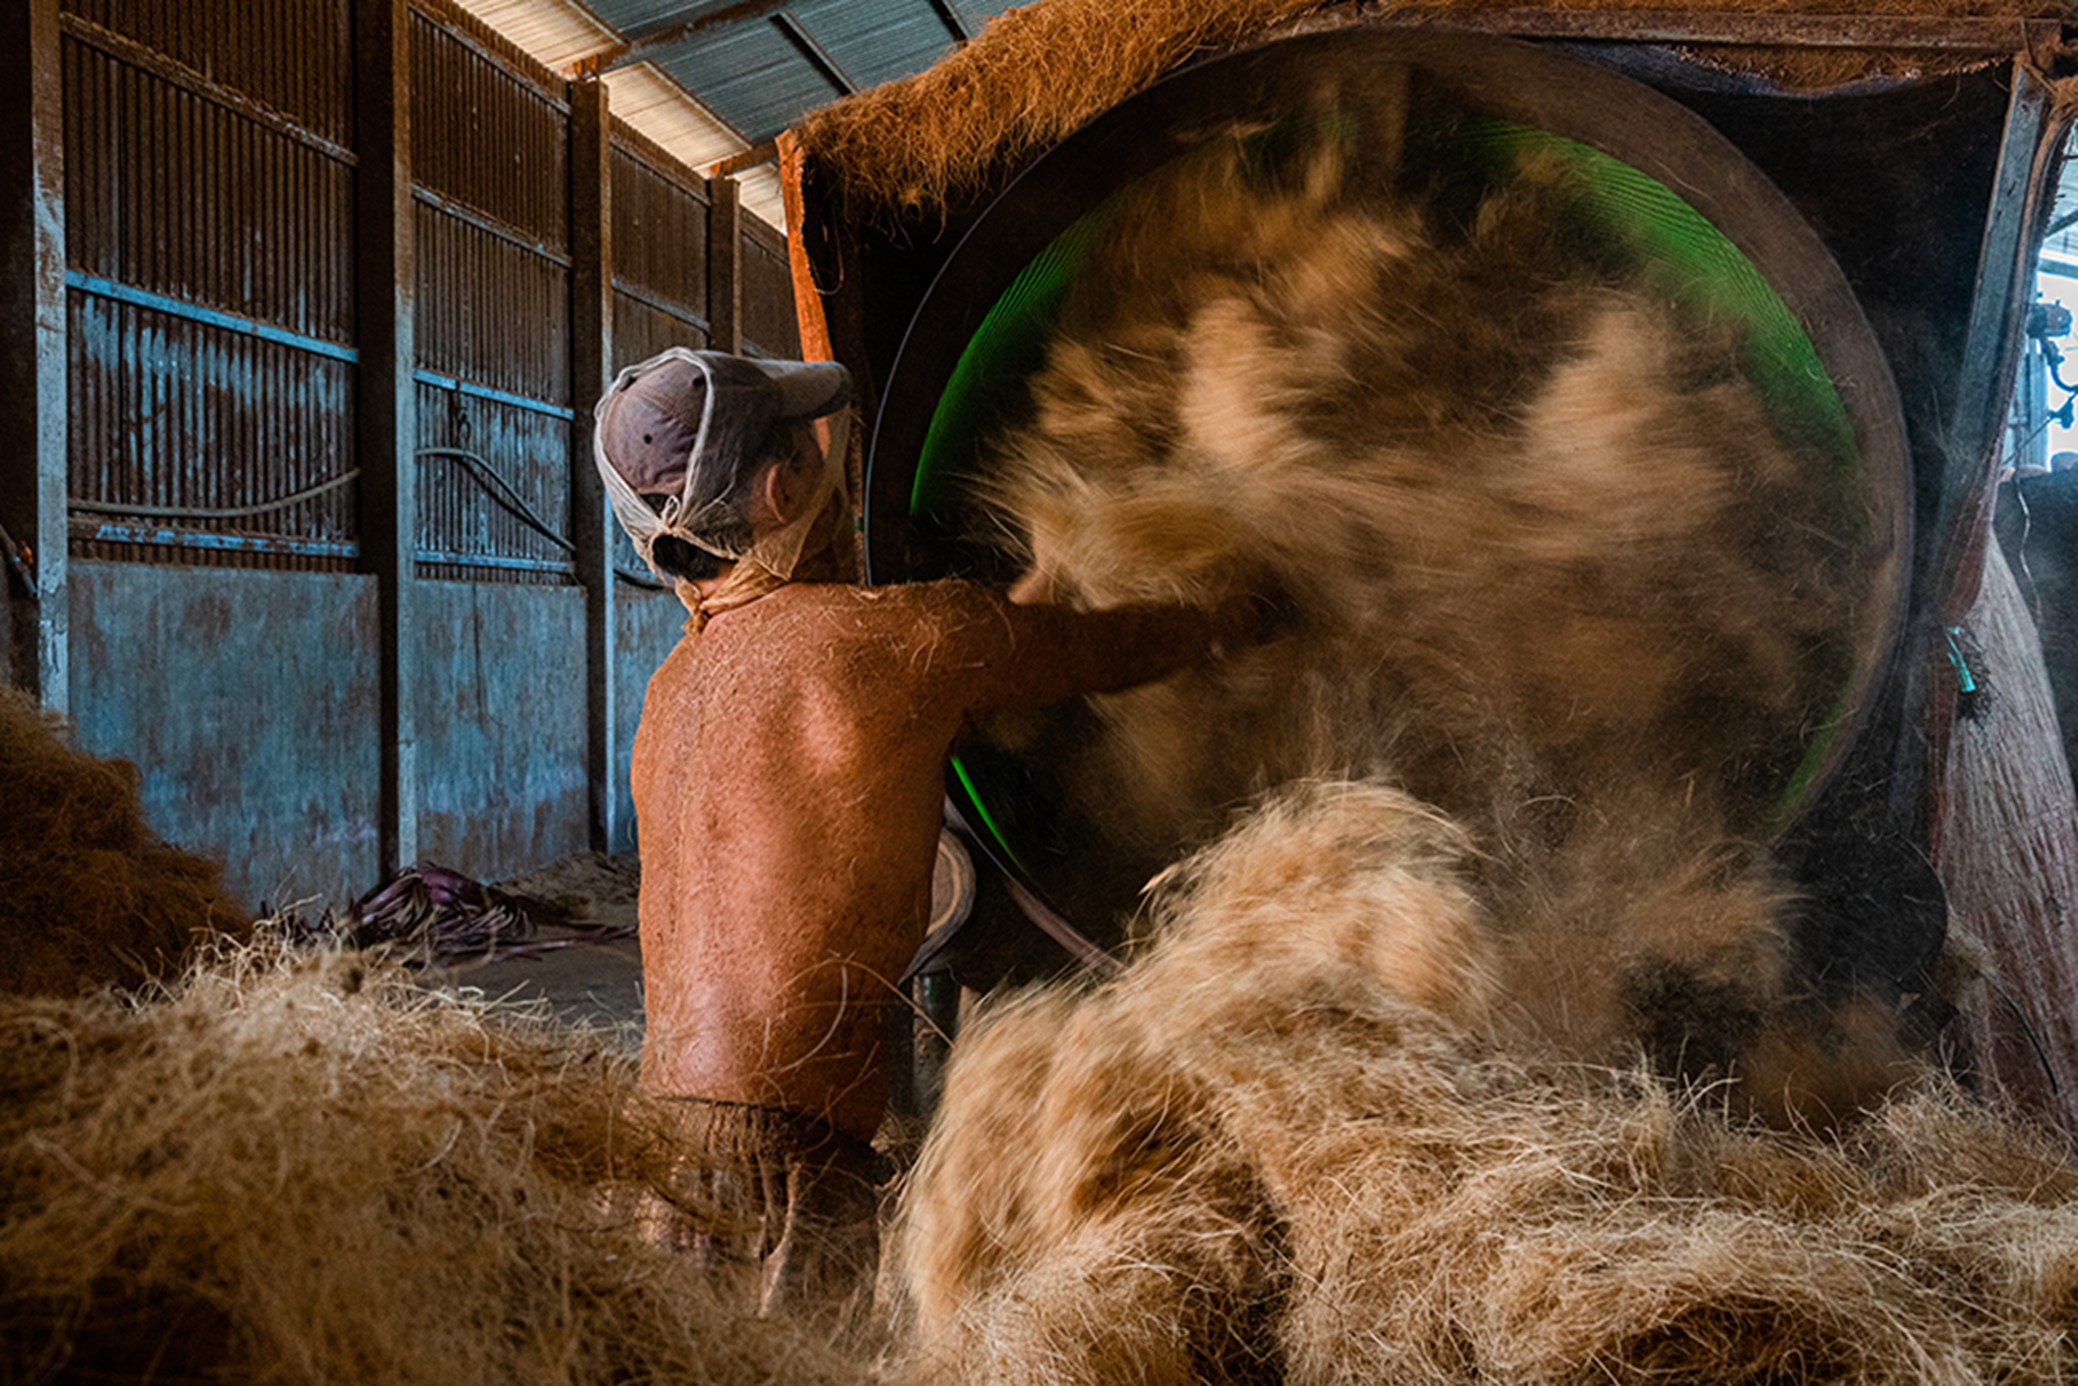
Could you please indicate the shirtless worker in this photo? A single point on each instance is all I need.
(788, 778)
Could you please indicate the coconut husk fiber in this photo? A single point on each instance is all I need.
(1038, 71)
(2008, 851)
(309, 1170)
(1263, 1153)
(89, 895)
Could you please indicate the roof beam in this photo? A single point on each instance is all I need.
(953, 20)
(1997, 35)
(818, 57)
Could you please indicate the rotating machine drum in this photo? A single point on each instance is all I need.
(1665, 193)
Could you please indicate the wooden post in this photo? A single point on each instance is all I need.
(2023, 190)
(724, 265)
(386, 399)
(591, 366)
(33, 351)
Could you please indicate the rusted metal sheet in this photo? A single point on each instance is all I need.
(501, 733)
(490, 158)
(288, 55)
(642, 329)
(211, 316)
(659, 233)
(487, 137)
(646, 626)
(491, 311)
(769, 323)
(248, 702)
(640, 42)
(184, 425)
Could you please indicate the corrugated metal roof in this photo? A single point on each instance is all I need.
(751, 76)
(877, 44)
(708, 79)
(661, 109)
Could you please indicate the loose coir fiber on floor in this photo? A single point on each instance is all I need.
(1284, 1147)
(89, 895)
(311, 1171)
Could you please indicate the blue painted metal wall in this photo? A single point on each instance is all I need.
(247, 701)
(501, 718)
(227, 631)
(647, 625)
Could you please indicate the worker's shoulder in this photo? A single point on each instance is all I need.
(910, 605)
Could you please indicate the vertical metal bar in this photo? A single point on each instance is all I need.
(724, 265)
(386, 401)
(33, 348)
(591, 365)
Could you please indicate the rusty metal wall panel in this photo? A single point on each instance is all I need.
(490, 138)
(479, 538)
(493, 320)
(490, 311)
(247, 701)
(168, 191)
(659, 234)
(210, 308)
(641, 330)
(289, 55)
(174, 415)
(486, 137)
(646, 627)
(501, 714)
(769, 322)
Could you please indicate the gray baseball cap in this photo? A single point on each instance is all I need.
(653, 421)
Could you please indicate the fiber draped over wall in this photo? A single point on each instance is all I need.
(1037, 72)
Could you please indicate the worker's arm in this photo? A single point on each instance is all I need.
(1002, 654)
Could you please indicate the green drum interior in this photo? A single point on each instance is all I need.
(1638, 221)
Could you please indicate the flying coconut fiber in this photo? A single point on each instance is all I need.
(1283, 1146)
(1554, 564)
(296, 1168)
(89, 895)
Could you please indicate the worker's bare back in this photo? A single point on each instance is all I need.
(788, 776)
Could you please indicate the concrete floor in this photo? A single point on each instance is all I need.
(586, 982)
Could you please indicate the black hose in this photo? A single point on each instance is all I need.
(189, 512)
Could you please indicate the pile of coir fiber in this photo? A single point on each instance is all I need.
(1040, 70)
(1283, 1146)
(89, 895)
(308, 1170)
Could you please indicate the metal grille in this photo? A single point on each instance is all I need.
(169, 191)
(490, 311)
(469, 527)
(158, 403)
(641, 330)
(210, 311)
(769, 324)
(659, 237)
(487, 135)
(292, 56)
(489, 150)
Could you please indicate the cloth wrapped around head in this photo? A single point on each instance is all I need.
(680, 440)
